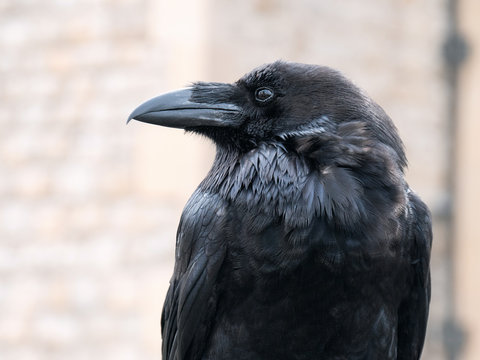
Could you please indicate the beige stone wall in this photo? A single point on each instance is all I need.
(89, 206)
(467, 247)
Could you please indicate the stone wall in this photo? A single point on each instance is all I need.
(89, 206)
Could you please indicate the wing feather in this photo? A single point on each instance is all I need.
(413, 312)
(191, 299)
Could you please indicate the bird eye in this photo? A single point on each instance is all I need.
(263, 94)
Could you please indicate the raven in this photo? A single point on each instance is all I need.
(304, 241)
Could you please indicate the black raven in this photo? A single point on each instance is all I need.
(304, 241)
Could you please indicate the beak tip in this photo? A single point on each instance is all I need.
(132, 116)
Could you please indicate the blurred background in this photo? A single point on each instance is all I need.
(89, 206)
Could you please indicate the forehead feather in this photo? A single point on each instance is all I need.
(269, 74)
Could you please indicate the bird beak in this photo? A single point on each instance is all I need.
(176, 109)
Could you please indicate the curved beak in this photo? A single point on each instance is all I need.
(176, 109)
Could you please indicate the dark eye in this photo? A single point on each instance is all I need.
(263, 94)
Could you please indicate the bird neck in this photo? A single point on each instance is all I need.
(298, 188)
(267, 176)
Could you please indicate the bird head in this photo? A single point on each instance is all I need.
(275, 102)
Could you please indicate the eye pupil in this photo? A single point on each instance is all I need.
(263, 94)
